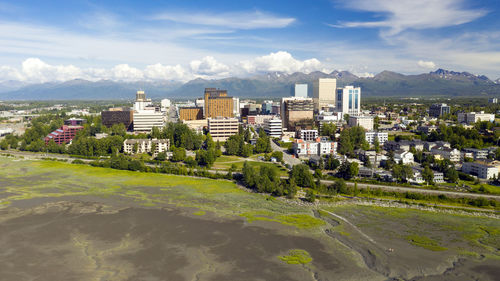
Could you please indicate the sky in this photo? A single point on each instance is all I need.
(53, 41)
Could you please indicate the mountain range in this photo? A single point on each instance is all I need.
(271, 85)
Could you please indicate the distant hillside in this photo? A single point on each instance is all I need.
(271, 85)
(83, 89)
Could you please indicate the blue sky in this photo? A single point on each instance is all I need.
(42, 41)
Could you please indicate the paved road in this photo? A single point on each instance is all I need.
(289, 159)
(31, 155)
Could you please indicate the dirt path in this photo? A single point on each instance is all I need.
(355, 228)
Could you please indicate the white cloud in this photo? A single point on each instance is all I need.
(126, 73)
(238, 20)
(426, 64)
(208, 66)
(280, 61)
(411, 14)
(9, 73)
(34, 69)
(165, 72)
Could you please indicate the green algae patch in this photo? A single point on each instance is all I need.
(297, 220)
(296, 256)
(425, 242)
(199, 213)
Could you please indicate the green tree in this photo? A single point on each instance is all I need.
(302, 176)
(428, 175)
(310, 196)
(178, 154)
(348, 170)
(451, 175)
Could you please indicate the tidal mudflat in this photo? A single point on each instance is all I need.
(61, 221)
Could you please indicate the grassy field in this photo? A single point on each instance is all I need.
(43, 179)
(433, 231)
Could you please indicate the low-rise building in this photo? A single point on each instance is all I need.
(482, 170)
(133, 146)
(403, 157)
(222, 128)
(371, 136)
(308, 135)
(370, 155)
(63, 135)
(477, 153)
(473, 117)
(258, 119)
(426, 129)
(363, 121)
(451, 154)
(321, 146)
(438, 177)
(393, 145)
(430, 145)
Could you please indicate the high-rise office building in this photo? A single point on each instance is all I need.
(273, 127)
(349, 100)
(222, 128)
(324, 91)
(439, 109)
(118, 115)
(145, 120)
(141, 101)
(301, 90)
(297, 113)
(218, 104)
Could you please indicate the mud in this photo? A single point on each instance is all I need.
(88, 241)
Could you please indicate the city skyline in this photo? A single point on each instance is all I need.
(59, 41)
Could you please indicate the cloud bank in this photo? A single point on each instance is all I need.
(34, 70)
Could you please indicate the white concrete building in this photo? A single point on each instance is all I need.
(236, 107)
(349, 100)
(273, 127)
(321, 146)
(145, 120)
(473, 117)
(371, 136)
(363, 121)
(300, 90)
(403, 157)
(324, 91)
(146, 145)
(165, 104)
(480, 169)
(308, 135)
(222, 128)
(141, 102)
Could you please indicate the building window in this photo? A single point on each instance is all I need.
(356, 101)
(350, 99)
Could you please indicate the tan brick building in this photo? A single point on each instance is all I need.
(218, 104)
(190, 113)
